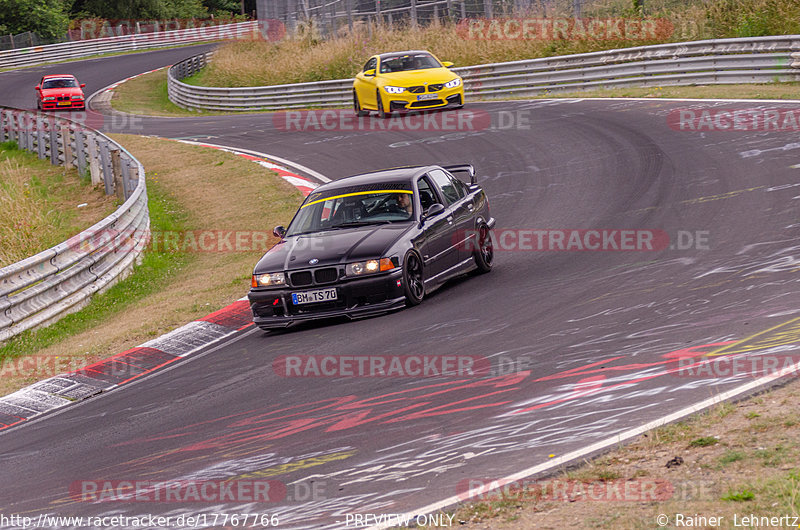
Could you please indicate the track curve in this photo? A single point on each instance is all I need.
(595, 336)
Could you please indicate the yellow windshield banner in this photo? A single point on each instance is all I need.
(371, 192)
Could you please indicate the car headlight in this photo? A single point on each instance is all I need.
(394, 89)
(49, 98)
(360, 268)
(77, 97)
(271, 279)
(454, 83)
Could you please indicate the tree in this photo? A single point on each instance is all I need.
(46, 18)
(138, 9)
(223, 7)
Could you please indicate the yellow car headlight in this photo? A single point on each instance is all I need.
(454, 83)
(394, 89)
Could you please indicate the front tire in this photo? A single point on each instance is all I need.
(357, 106)
(413, 279)
(382, 114)
(484, 254)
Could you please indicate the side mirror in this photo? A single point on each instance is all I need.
(434, 210)
(369, 73)
(279, 231)
(447, 64)
(83, 85)
(38, 88)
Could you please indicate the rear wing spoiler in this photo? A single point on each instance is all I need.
(463, 168)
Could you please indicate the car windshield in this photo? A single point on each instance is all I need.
(60, 83)
(412, 61)
(353, 207)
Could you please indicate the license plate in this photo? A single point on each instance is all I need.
(311, 297)
(64, 103)
(427, 96)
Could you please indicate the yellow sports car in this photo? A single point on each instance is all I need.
(402, 81)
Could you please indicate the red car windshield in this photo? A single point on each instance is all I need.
(60, 83)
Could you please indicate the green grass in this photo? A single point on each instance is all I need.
(742, 495)
(703, 441)
(157, 269)
(147, 95)
(38, 204)
(732, 456)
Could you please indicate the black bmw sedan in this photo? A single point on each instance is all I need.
(370, 243)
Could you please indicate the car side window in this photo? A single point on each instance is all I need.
(371, 64)
(427, 195)
(461, 187)
(446, 184)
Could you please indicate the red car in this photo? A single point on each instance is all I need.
(60, 92)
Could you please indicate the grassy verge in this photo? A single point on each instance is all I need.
(42, 205)
(207, 193)
(147, 95)
(737, 459)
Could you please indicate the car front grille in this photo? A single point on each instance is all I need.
(416, 89)
(63, 98)
(435, 87)
(326, 275)
(299, 279)
(426, 103)
(319, 276)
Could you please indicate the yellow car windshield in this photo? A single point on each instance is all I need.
(404, 63)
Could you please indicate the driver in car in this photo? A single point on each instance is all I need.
(404, 203)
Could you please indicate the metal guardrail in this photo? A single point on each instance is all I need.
(43, 288)
(123, 43)
(745, 60)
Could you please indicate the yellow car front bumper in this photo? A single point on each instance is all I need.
(426, 100)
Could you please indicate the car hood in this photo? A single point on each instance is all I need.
(333, 247)
(71, 91)
(417, 77)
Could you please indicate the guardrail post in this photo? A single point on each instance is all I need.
(126, 171)
(134, 176)
(6, 126)
(80, 151)
(66, 137)
(94, 161)
(55, 144)
(40, 143)
(116, 171)
(12, 133)
(23, 133)
(105, 164)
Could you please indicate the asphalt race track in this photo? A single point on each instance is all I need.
(584, 345)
